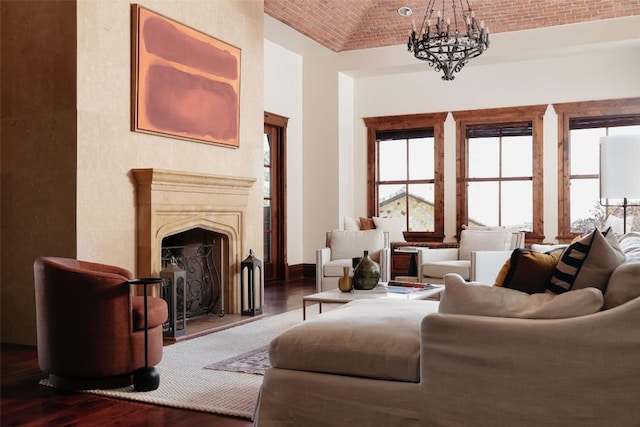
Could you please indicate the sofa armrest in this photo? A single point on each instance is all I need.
(485, 265)
(323, 256)
(385, 264)
(498, 371)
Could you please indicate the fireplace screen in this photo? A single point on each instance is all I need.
(202, 294)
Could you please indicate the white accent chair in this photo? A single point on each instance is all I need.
(342, 246)
(479, 257)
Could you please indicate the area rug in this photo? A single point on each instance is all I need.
(186, 384)
(252, 362)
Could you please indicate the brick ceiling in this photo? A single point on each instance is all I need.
(342, 25)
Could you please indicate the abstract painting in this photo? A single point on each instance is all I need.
(185, 84)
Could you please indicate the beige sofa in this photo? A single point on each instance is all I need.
(401, 363)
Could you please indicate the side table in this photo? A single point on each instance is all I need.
(397, 263)
(146, 378)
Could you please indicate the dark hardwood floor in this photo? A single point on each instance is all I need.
(25, 402)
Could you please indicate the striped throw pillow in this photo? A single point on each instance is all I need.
(587, 262)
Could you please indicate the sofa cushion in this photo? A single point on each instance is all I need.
(440, 268)
(587, 262)
(528, 271)
(624, 282)
(365, 338)
(483, 240)
(517, 236)
(623, 286)
(350, 244)
(460, 297)
(351, 224)
(391, 225)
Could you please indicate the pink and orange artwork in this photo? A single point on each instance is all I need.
(185, 84)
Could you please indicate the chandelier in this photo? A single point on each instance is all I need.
(450, 38)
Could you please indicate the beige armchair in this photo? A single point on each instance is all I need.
(342, 246)
(479, 257)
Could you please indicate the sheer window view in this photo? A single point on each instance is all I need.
(586, 210)
(266, 204)
(500, 175)
(405, 177)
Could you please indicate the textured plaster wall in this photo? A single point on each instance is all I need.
(38, 151)
(88, 211)
(108, 150)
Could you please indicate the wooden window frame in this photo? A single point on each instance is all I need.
(533, 114)
(566, 112)
(410, 121)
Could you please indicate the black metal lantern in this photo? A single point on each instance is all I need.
(251, 285)
(174, 282)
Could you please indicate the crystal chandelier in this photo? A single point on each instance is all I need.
(450, 38)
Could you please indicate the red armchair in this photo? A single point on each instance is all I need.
(90, 327)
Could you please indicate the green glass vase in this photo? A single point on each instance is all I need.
(366, 274)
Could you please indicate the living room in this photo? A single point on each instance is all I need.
(85, 208)
(66, 159)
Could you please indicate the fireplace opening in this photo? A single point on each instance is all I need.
(201, 254)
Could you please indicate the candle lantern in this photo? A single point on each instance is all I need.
(251, 285)
(174, 282)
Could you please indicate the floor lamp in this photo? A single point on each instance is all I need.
(620, 172)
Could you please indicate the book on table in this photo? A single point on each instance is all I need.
(397, 287)
(418, 285)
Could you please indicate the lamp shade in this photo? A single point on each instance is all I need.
(620, 167)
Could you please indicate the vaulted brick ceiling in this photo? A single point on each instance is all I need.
(342, 25)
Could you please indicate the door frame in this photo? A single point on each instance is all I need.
(280, 122)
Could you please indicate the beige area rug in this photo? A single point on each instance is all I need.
(186, 384)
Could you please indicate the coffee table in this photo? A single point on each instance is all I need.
(336, 296)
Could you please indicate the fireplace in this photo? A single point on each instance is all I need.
(170, 203)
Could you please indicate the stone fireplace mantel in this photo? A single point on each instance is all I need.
(170, 202)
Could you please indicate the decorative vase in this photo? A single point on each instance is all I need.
(345, 283)
(366, 275)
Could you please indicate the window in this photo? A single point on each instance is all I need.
(580, 126)
(499, 169)
(405, 172)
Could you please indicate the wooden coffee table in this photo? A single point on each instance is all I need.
(336, 296)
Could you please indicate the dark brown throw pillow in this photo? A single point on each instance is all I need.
(367, 224)
(528, 271)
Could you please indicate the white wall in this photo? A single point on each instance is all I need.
(283, 96)
(596, 60)
(583, 76)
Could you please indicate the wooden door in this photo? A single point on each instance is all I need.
(274, 263)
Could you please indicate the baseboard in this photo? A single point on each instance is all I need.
(301, 271)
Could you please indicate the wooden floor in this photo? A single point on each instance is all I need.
(25, 402)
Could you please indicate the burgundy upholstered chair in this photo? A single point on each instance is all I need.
(90, 325)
